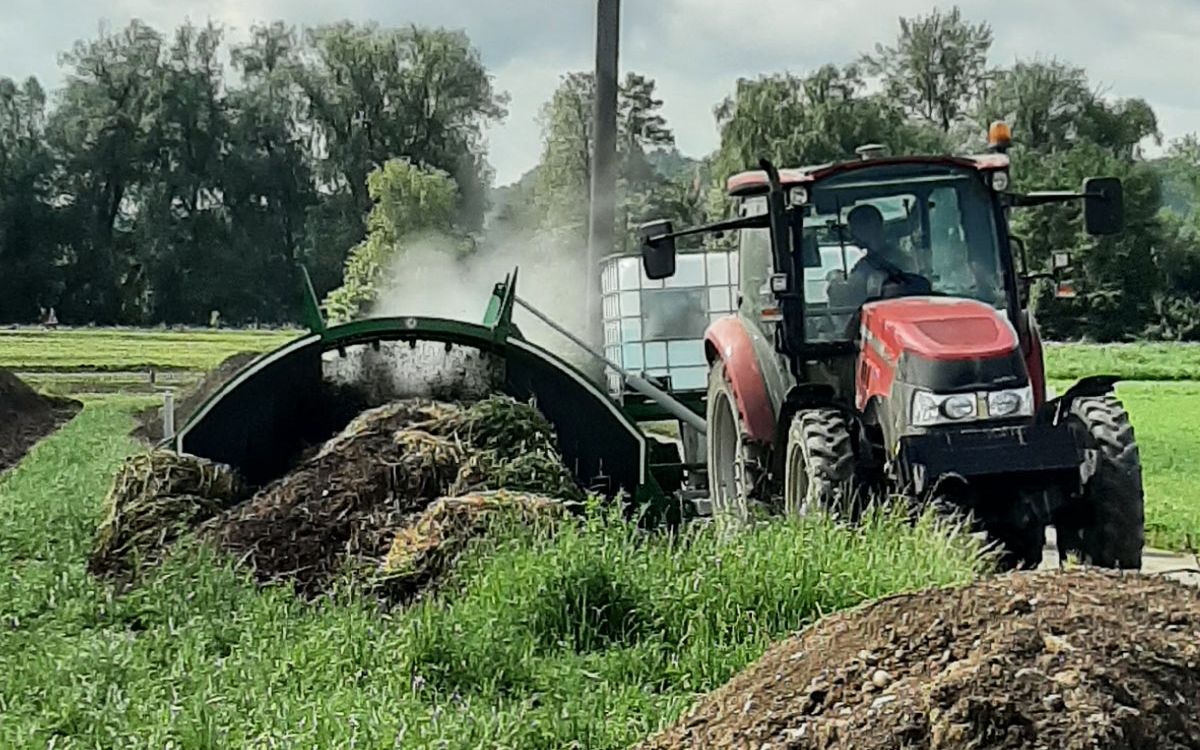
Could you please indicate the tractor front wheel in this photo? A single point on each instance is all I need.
(734, 462)
(1106, 526)
(819, 471)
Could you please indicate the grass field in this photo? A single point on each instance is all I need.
(1128, 361)
(588, 640)
(1166, 420)
(76, 350)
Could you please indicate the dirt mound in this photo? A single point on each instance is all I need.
(427, 547)
(149, 420)
(1080, 659)
(27, 416)
(340, 508)
(156, 498)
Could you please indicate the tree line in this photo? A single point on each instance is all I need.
(162, 184)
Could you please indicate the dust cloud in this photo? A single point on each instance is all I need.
(428, 278)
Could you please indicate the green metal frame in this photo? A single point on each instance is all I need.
(496, 334)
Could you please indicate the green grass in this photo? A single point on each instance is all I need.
(1128, 361)
(111, 349)
(592, 639)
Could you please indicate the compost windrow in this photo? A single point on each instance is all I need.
(26, 417)
(358, 504)
(1060, 659)
(149, 421)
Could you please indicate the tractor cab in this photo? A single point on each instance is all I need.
(888, 229)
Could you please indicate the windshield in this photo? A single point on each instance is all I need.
(895, 233)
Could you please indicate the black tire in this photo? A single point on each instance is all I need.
(820, 469)
(1106, 526)
(735, 466)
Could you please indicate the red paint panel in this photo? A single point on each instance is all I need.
(939, 328)
(1035, 362)
(875, 375)
(732, 343)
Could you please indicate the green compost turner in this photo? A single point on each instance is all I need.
(301, 394)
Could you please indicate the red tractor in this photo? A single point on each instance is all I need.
(883, 344)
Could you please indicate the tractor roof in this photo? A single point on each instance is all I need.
(755, 181)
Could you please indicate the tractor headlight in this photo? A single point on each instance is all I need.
(934, 408)
(1017, 402)
(959, 407)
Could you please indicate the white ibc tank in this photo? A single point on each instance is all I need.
(656, 328)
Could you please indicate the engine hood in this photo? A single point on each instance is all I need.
(937, 328)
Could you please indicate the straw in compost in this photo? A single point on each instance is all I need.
(425, 549)
(155, 498)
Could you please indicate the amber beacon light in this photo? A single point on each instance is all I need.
(999, 136)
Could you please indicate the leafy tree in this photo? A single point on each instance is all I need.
(811, 119)
(181, 234)
(563, 182)
(937, 68)
(410, 201)
(1064, 132)
(102, 133)
(268, 176)
(28, 225)
(372, 94)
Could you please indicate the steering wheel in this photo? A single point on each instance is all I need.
(897, 275)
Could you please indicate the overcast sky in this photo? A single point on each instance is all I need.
(695, 49)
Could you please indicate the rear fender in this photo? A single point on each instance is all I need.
(729, 341)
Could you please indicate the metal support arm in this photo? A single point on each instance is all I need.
(638, 383)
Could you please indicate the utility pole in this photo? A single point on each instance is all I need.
(604, 161)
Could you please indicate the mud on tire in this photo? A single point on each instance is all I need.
(820, 471)
(1106, 527)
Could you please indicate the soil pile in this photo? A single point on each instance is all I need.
(1080, 659)
(27, 416)
(149, 420)
(341, 508)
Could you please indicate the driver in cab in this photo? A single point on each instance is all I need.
(879, 272)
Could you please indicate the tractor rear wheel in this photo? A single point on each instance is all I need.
(734, 461)
(1106, 526)
(819, 471)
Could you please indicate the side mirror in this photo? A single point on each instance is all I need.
(658, 250)
(1103, 206)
